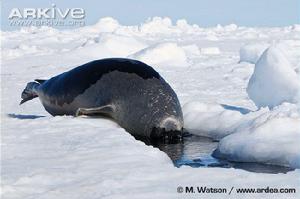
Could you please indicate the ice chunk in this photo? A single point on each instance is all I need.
(273, 81)
(210, 120)
(231, 27)
(158, 25)
(161, 54)
(192, 50)
(247, 136)
(106, 24)
(271, 138)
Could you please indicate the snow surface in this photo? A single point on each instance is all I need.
(66, 157)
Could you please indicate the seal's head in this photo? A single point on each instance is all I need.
(169, 131)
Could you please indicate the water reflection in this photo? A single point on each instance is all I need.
(196, 151)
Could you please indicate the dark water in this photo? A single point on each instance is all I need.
(196, 152)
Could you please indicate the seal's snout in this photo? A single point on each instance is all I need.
(169, 131)
(162, 135)
(171, 124)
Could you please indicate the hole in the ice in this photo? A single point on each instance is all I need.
(196, 151)
(236, 108)
(24, 117)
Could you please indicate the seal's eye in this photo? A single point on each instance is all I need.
(160, 135)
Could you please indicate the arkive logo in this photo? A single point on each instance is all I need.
(51, 16)
(47, 13)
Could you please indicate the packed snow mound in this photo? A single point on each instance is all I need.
(164, 26)
(108, 45)
(210, 51)
(274, 80)
(252, 52)
(162, 54)
(122, 45)
(186, 28)
(158, 25)
(191, 50)
(231, 27)
(272, 138)
(106, 24)
(226, 28)
(210, 120)
(24, 50)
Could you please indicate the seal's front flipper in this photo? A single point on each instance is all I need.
(100, 111)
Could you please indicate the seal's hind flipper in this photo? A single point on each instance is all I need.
(40, 80)
(102, 111)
